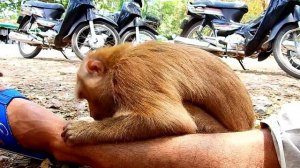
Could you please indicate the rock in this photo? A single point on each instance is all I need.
(46, 164)
(55, 104)
(80, 106)
(261, 110)
(261, 104)
(70, 114)
(22, 162)
(4, 158)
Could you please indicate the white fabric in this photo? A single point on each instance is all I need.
(285, 128)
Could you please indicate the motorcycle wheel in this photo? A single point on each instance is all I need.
(286, 50)
(130, 36)
(194, 32)
(26, 50)
(81, 39)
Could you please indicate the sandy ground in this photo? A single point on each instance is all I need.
(49, 80)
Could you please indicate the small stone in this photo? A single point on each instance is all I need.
(46, 164)
(22, 162)
(261, 110)
(55, 104)
(261, 104)
(4, 158)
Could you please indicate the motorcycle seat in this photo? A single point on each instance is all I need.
(221, 4)
(45, 5)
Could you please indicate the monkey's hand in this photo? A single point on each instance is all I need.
(79, 132)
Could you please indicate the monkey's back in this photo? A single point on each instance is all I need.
(185, 74)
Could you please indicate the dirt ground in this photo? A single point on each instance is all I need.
(49, 80)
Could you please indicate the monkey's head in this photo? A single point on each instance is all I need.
(89, 82)
(93, 77)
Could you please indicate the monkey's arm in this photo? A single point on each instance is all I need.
(166, 119)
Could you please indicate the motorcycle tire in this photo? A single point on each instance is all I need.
(31, 54)
(129, 36)
(287, 62)
(188, 32)
(85, 27)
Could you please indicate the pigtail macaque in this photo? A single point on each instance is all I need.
(157, 89)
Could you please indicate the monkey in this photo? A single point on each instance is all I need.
(154, 89)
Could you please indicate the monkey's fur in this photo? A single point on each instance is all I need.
(157, 89)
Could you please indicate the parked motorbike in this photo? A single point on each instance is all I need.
(214, 26)
(5, 29)
(41, 27)
(131, 26)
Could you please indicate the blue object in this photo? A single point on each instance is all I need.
(7, 139)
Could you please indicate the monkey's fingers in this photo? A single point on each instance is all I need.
(65, 126)
(63, 134)
(75, 132)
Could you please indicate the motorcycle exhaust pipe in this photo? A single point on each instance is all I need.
(24, 38)
(204, 45)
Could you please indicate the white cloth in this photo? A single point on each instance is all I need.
(285, 128)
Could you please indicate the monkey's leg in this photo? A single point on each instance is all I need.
(167, 120)
(205, 122)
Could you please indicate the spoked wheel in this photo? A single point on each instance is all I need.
(198, 31)
(82, 41)
(287, 50)
(130, 36)
(26, 50)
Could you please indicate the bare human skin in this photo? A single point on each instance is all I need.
(254, 148)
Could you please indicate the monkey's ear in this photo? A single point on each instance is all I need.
(95, 66)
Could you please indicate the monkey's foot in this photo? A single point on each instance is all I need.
(79, 132)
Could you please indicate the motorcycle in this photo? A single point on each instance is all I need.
(5, 29)
(215, 26)
(41, 27)
(131, 27)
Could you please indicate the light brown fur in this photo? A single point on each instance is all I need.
(157, 89)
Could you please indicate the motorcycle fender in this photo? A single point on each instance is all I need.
(80, 20)
(83, 19)
(149, 29)
(22, 20)
(87, 14)
(291, 18)
(131, 25)
(106, 20)
(187, 23)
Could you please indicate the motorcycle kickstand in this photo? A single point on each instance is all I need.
(241, 63)
(64, 54)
